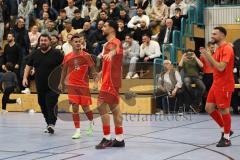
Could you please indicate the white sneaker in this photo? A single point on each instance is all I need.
(26, 91)
(19, 101)
(135, 76)
(128, 77)
(4, 111)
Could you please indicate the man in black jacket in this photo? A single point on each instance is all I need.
(4, 20)
(141, 31)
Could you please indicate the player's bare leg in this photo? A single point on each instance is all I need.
(76, 120)
(89, 115)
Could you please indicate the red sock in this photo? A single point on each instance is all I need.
(76, 120)
(118, 130)
(106, 130)
(227, 123)
(217, 117)
(89, 115)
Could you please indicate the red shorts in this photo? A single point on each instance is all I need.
(109, 95)
(221, 98)
(79, 95)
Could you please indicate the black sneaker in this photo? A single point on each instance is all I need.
(116, 143)
(104, 143)
(224, 143)
(50, 130)
(230, 134)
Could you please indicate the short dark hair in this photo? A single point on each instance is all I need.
(9, 66)
(11, 33)
(189, 50)
(103, 12)
(113, 24)
(112, 2)
(45, 35)
(62, 11)
(221, 29)
(129, 35)
(77, 35)
(77, 11)
(147, 35)
(178, 9)
(56, 36)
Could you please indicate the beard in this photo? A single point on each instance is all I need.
(10, 40)
(44, 47)
(214, 41)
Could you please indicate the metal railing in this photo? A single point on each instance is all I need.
(211, 3)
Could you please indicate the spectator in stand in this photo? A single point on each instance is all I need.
(43, 22)
(113, 11)
(178, 4)
(60, 20)
(57, 4)
(149, 49)
(55, 42)
(104, 7)
(85, 46)
(89, 11)
(123, 5)
(67, 47)
(208, 71)
(166, 33)
(79, 4)
(177, 19)
(158, 14)
(134, 23)
(12, 6)
(191, 68)
(50, 30)
(68, 29)
(143, 4)
(124, 16)
(33, 36)
(51, 12)
(4, 20)
(77, 21)
(122, 30)
(24, 10)
(88, 33)
(70, 9)
(131, 53)
(138, 34)
(102, 17)
(169, 2)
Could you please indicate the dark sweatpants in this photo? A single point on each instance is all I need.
(6, 95)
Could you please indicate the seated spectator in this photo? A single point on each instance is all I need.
(51, 12)
(122, 30)
(169, 2)
(134, 23)
(88, 33)
(103, 16)
(138, 34)
(89, 11)
(43, 22)
(24, 10)
(149, 49)
(158, 14)
(70, 9)
(178, 4)
(33, 36)
(166, 33)
(50, 30)
(124, 16)
(113, 11)
(77, 21)
(68, 29)
(67, 47)
(55, 42)
(123, 5)
(177, 19)
(85, 46)
(143, 4)
(60, 20)
(104, 7)
(191, 65)
(131, 55)
(169, 83)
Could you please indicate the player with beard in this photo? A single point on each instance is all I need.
(44, 60)
(111, 82)
(219, 96)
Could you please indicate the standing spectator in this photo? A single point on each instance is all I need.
(67, 46)
(158, 14)
(50, 30)
(178, 4)
(60, 20)
(177, 19)
(134, 23)
(89, 11)
(77, 21)
(68, 29)
(43, 22)
(124, 16)
(141, 31)
(24, 10)
(13, 10)
(191, 67)
(122, 31)
(33, 36)
(113, 11)
(51, 12)
(9, 83)
(131, 52)
(45, 60)
(70, 9)
(4, 20)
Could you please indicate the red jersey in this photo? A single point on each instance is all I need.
(112, 70)
(224, 80)
(207, 68)
(78, 67)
